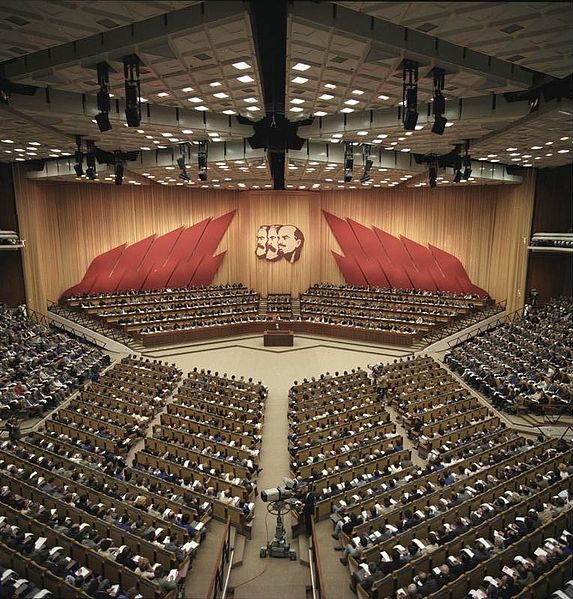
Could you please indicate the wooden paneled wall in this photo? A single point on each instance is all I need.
(66, 225)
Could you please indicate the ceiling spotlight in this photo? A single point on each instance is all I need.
(202, 154)
(91, 160)
(118, 171)
(433, 175)
(348, 161)
(79, 157)
(131, 65)
(439, 102)
(183, 160)
(467, 162)
(103, 97)
(368, 162)
(410, 95)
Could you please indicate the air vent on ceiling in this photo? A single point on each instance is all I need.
(515, 58)
(512, 28)
(17, 20)
(202, 56)
(108, 23)
(425, 27)
(338, 59)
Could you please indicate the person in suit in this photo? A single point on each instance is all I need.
(308, 510)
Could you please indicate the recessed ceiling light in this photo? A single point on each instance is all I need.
(351, 102)
(299, 80)
(347, 110)
(162, 94)
(245, 79)
(241, 66)
(297, 101)
(253, 108)
(201, 108)
(326, 97)
(362, 133)
(195, 100)
(229, 112)
(221, 95)
(215, 84)
(296, 109)
(320, 113)
(357, 92)
(187, 131)
(301, 66)
(383, 97)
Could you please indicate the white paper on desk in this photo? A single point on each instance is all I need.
(83, 572)
(539, 552)
(365, 567)
(171, 577)
(356, 541)
(40, 543)
(385, 557)
(54, 550)
(200, 525)
(509, 571)
(190, 546)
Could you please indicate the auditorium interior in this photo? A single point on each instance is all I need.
(286, 299)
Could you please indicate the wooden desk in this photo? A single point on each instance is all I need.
(278, 338)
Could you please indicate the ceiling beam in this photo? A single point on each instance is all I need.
(118, 42)
(410, 43)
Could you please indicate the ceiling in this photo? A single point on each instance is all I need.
(201, 80)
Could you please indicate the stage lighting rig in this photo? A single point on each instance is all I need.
(410, 95)
(91, 173)
(202, 155)
(467, 162)
(368, 162)
(79, 156)
(348, 161)
(183, 160)
(131, 66)
(439, 102)
(118, 171)
(103, 97)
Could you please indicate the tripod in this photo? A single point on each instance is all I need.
(279, 546)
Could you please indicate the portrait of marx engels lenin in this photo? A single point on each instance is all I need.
(277, 242)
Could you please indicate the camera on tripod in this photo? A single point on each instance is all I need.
(282, 493)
